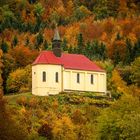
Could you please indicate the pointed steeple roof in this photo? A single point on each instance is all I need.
(56, 35)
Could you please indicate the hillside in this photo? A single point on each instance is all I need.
(107, 32)
(69, 116)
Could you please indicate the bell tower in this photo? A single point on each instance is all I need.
(56, 44)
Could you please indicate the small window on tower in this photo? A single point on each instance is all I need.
(44, 76)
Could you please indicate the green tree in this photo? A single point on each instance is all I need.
(46, 46)
(38, 9)
(80, 43)
(7, 15)
(55, 18)
(27, 41)
(4, 46)
(116, 55)
(118, 36)
(39, 40)
(135, 69)
(9, 65)
(102, 51)
(136, 49)
(64, 44)
(106, 8)
(88, 51)
(15, 41)
(128, 55)
(5, 2)
(95, 49)
(121, 120)
(71, 50)
(81, 12)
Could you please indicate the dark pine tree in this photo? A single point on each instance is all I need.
(4, 46)
(103, 52)
(15, 41)
(118, 36)
(27, 41)
(70, 49)
(88, 51)
(128, 55)
(95, 49)
(136, 49)
(80, 44)
(64, 44)
(46, 46)
(39, 40)
(116, 55)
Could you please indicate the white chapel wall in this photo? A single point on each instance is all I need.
(70, 80)
(50, 86)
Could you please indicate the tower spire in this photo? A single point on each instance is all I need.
(56, 43)
(56, 34)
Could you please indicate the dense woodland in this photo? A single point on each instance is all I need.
(107, 32)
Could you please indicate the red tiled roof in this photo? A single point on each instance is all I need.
(69, 61)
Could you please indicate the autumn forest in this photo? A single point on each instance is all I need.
(107, 32)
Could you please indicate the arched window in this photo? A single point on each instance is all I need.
(44, 76)
(56, 77)
(91, 79)
(78, 78)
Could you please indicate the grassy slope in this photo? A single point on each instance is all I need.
(71, 98)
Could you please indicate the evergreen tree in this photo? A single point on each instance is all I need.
(39, 40)
(88, 51)
(38, 10)
(116, 56)
(80, 44)
(106, 8)
(4, 47)
(70, 49)
(103, 52)
(32, 1)
(64, 44)
(95, 49)
(27, 41)
(118, 36)
(7, 16)
(15, 41)
(46, 46)
(128, 54)
(136, 49)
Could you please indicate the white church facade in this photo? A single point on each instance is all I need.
(54, 72)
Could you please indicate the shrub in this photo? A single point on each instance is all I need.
(46, 131)
(19, 80)
(22, 101)
(33, 102)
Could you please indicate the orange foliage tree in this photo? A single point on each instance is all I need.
(23, 55)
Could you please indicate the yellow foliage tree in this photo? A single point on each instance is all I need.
(119, 84)
(19, 80)
(63, 129)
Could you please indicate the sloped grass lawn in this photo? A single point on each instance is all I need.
(73, 98)
(12, 98)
